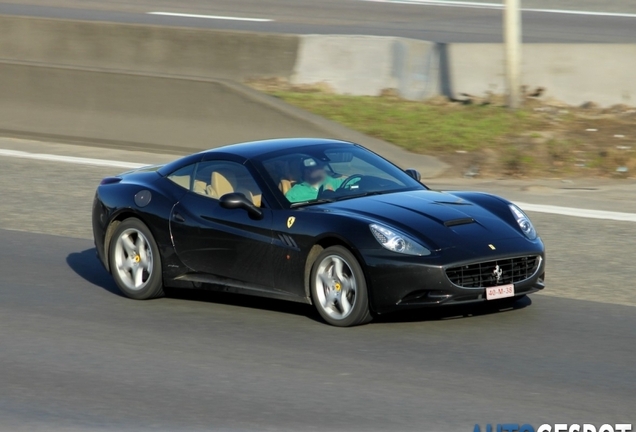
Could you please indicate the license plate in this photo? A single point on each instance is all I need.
(499, 292)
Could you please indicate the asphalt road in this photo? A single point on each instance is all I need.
(429, 22)
(75, 355)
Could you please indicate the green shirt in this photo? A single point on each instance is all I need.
(303, 191)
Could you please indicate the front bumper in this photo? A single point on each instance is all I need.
(398, 282)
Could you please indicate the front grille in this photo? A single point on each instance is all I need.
(484, 274)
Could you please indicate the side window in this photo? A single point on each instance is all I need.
(183, 176)
(286, 171)
(217, 178)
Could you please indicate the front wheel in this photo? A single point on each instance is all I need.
(135, 262)
(338, 288)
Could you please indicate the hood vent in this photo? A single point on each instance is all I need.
(462, 221)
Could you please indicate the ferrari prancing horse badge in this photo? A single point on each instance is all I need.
(290, 221)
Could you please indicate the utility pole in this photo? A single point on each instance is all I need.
(512, 39)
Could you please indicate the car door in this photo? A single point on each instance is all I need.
(293, 238)
(213, 240)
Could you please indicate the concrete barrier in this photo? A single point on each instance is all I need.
(359, 65)
(144, 48)
(572, 73)
(175, 115)
(367, 65)
(135, 111)
(140, 86)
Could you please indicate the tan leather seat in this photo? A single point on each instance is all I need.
(256, 199)
(249, 188)
(209, 191)
(200, 187)
(290, 175)
(223, 182)
(285, 185)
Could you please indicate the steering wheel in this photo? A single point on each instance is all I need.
(349, 180)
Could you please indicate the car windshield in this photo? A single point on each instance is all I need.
(318, 174)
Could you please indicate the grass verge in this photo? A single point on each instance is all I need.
(416, 126)
(485, 138)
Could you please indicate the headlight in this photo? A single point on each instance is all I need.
(524, 222)
(396, 241)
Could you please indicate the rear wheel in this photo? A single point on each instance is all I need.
(135, 262)
(338, 288)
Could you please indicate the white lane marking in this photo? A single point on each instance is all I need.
(540, 208)
(499, 6)
(588, 13)
(442, 3)
(578, 212)
(70, 159)
(215, 17)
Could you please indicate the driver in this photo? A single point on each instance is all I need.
(314, 177)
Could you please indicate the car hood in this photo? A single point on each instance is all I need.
(439, 219)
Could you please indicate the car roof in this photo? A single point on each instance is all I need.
(249, 150)
(258, 148)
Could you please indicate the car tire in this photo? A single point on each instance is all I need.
(338, 288)
(135, 262)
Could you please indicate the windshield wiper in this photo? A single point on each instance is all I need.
(364, 194)
(340, 198)
(311, 202)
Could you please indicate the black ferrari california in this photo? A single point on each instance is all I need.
(317, 221)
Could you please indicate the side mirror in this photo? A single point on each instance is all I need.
(414, 173)
(236, 200)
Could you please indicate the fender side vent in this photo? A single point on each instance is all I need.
(287, 240)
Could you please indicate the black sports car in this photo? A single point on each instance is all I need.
(314, 221)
